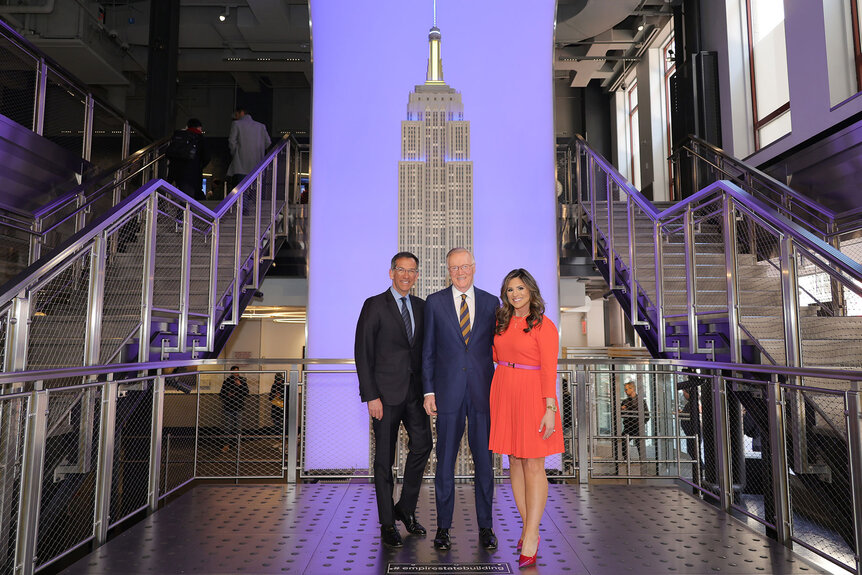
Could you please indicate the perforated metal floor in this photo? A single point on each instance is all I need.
(323, 529)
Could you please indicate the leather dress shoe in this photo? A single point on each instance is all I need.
(441, 540)
(487, 538)
(390, 536)
(409, 520)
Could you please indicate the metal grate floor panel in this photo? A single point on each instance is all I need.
(321, 529)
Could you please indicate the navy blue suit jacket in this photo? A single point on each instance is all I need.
(451, 369)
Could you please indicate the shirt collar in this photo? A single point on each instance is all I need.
(397, 295)
(456, 293)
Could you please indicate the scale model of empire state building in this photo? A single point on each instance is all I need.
(435, 175)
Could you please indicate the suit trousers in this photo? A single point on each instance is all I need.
(418, 426)
(450, 429)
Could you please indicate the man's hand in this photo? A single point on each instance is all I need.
(375, 408)
(430, 404)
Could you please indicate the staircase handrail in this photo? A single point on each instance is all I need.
(120, 167)
(770, 181)
(44, 265)
(193, 222)
(813, 244)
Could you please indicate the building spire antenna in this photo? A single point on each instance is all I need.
(435, 61)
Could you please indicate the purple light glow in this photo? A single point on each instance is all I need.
(367, 59)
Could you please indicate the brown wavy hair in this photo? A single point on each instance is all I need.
(507, 310)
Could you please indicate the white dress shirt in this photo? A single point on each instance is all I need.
(471, 302)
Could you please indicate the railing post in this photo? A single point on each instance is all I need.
(16, 354)
(213, 284)
(732, 278)
(255, 268)
(148, 273)
(591, 192)
(793, 348)
(31, 483)
(582, 400)
(185, 280)
(293, 408)
(690, 279)
(839, 305)
(197, 426)
(633, 285)
(95, 303)
(722, 442)
(89, 113)
(35, 240)
(778, 449)
(127, 139)
(273, 192)
(612, 260)
(237, 262)
(156, 441)
(659, 286)
(854, 446)
(104, 471)
(285, 209)
(40, 96)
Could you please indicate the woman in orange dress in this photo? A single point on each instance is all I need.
(525, 423)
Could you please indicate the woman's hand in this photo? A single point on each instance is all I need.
(546, 427)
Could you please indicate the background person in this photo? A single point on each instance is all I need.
(248, 141)
(525, 423)
(233, 392)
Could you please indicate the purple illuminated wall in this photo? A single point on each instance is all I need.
(367, 58)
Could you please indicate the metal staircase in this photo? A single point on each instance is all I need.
(156, 276)
(722, 275)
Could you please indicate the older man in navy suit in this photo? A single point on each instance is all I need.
(457, 367)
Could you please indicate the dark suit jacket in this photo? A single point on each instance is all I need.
(451, 369)
(387, 365)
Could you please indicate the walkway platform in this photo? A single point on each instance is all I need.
(322, 529)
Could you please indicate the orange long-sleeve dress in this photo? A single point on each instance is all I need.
(518, 395)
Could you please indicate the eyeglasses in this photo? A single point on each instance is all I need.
(463, 268)
(410, 272)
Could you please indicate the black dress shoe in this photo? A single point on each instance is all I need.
(390, 536)
(409, 521)
(441, 540)
(487, 538)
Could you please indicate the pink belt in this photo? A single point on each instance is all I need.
(518, 365)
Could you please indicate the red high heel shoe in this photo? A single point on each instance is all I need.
(527, 561)
(520, 544)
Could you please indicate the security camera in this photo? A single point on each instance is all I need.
(113, 34)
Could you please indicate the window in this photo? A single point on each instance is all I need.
(767, 58)
(634, 135)
(843, 56)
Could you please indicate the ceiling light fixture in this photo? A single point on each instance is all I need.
(224, 15)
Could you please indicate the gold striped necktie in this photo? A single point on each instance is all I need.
(465, 319)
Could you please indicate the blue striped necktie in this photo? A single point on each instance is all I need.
(405, 315)
(465, 319)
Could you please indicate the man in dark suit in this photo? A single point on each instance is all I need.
(388, 352)
(457, 367)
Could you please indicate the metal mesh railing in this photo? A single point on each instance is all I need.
(199, 280)
(749, 436)
(821, 495)
(107, 140)
(59, 317)
(13, 418)
(132, 440)
(19, 71)
(178, 431)
(69, 472)
(65, 110)
(123, 273)
(236, 435)
(709, 258)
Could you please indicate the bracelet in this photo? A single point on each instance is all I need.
(551, 407)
